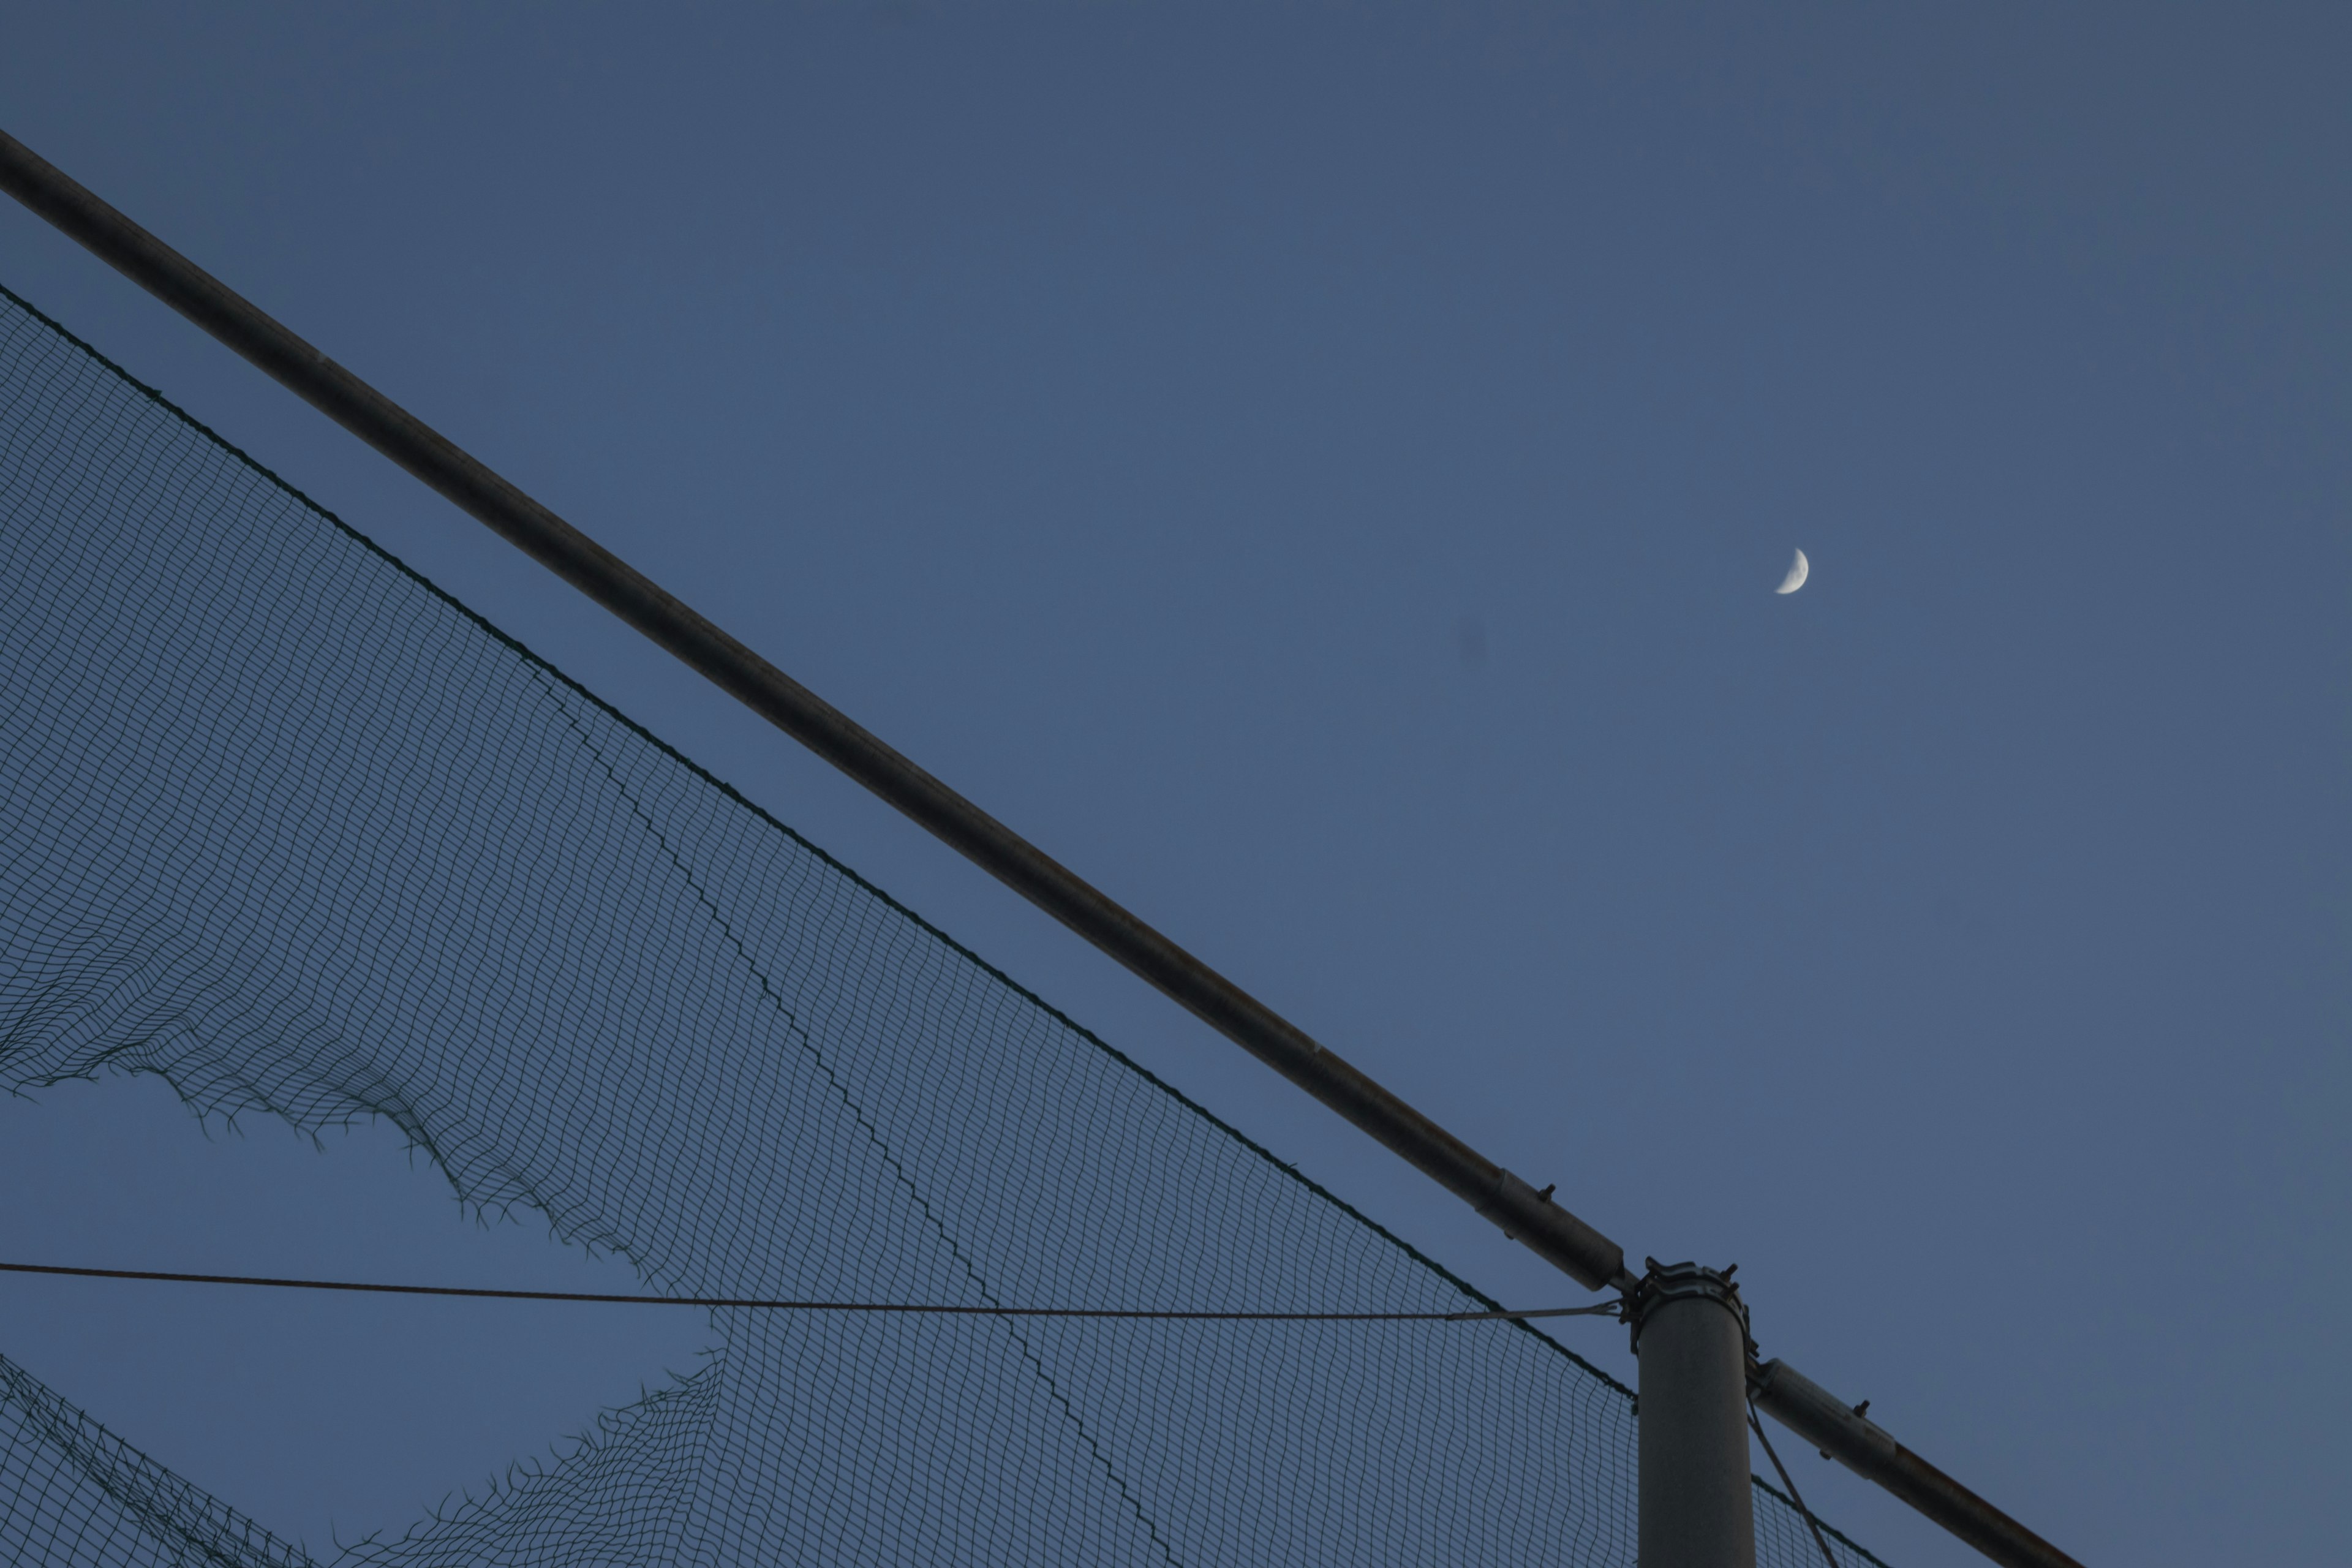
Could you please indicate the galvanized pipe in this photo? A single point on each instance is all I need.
(1864, 1446)
(1690, 1336)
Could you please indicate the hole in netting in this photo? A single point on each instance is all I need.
(317, 1414)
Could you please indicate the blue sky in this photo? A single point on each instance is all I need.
(1321, 472)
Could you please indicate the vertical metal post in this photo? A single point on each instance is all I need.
(1690, 1334)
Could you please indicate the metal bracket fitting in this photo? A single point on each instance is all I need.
(1667, 1282)
(1532, 1219)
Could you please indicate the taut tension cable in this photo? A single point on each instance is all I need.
(935, 1309)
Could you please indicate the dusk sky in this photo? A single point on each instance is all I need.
(1322, 472)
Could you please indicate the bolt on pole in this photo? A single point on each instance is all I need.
(1690, 1335)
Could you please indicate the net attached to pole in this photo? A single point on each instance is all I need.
(288, 825)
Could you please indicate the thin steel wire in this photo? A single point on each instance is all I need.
(1605, 1309)
(1795, 1496)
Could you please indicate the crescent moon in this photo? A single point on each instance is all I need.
(1798, 571)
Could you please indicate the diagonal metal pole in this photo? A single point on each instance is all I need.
(1524, 1214)
(1551, 1231)
(1844, 1433)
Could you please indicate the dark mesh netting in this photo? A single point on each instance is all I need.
(72, 1492)
(285, 824)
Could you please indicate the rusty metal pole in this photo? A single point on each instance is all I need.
(1690, 1335)
(1862, 1446)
